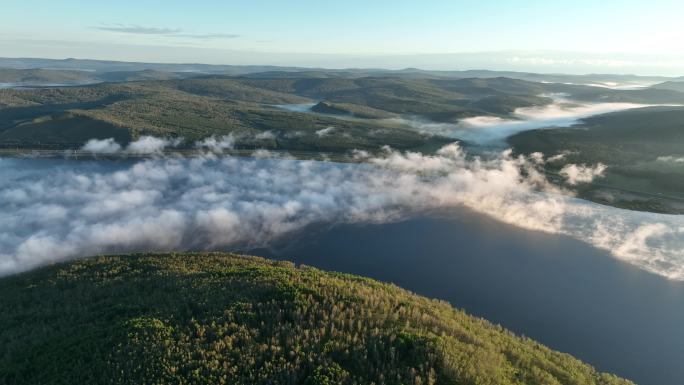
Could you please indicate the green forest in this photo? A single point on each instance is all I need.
(365, 111)
(230, 319)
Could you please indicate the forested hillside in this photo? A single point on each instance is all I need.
(193, 109)
(227, 319)
(641, 147)
(295, 111)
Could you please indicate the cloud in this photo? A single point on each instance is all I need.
(265, 135)
(576, 174)
(559, 157)
(151, 145)
(145, 145)
(208, 36)
(622, 85)
(137, 29)
(104, 146)
(545, 61)
(169, 32)
(217, 144)
(83, 208)
(266, 154)
(325, 131)
(360, 155)
(670, 159)
(634, 61)
(488, 129)
(209, 202)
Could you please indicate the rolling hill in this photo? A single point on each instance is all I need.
(349, 111)
(198, 107)
(193, 109)
(435, 99)
(37, 76)
(103, 66)
(641, 147)
(671, 85)
(228, 319)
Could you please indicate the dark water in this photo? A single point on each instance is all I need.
(554, 289)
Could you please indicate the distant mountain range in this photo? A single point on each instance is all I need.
(86, 70)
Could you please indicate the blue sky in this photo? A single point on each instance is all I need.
(297, 32)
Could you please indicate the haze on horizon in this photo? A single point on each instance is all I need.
(608, 37)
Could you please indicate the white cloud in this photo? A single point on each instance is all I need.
(576, 174)
(265, 135)
(622, 85)
(635, 61)
(559, 157)
(487, 129)
(360, 155)
(217, 144)
(104, 146)
(144, 145)
(151, 145)
(670, 159)
(545, 61)
(226, 202)
(167, 32)
(325, 131)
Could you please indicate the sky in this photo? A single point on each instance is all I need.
(641, 36)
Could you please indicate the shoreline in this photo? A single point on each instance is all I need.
(494, 270)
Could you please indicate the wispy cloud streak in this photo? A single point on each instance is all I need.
(168, 32)
(137, 29)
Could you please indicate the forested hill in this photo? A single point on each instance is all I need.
(227, 319)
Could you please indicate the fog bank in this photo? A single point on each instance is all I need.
(56, 212)
(494, 130)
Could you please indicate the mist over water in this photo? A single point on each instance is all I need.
(493, 130)
(615, 85)
(303, 107)
(60, 209)
(562, 112)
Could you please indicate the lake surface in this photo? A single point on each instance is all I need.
(554, 289)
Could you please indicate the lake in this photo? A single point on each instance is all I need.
(559, 291)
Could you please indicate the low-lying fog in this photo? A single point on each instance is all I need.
(304, 107)
(60, 209)
(624, 85)
(493, 130)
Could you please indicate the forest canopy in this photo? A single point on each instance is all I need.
(229, 319)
